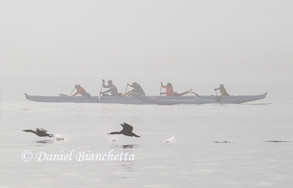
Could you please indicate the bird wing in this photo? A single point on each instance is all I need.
(27, 130)
(127, 126)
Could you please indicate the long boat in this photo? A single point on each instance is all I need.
(160, 100)
(236, 99)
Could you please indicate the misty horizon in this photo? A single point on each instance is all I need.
(47, 47)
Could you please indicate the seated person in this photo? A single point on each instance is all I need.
(112, 89)
(223, 91)
(137, 89)
(81, 91)
(170, 91)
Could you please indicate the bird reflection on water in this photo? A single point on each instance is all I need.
(129, 146)
(125, 146)
(45, 142)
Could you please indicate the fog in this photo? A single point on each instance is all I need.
(46, 47)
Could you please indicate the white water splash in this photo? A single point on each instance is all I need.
(171, 140)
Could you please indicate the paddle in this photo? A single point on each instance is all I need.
(127, 93)
(126, 89)
(218, 97)
(71, 91)
(101, 88)
(161, 89)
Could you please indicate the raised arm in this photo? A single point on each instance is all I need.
(162, 85)
(104, 86)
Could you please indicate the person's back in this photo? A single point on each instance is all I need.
(138, 89)
(81, 91)
(223, 91)
(113, 90)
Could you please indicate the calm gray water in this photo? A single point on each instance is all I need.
(192, 160)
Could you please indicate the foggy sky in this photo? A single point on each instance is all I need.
(48, 46)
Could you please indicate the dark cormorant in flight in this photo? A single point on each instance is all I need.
(127, 130)
(40, 132)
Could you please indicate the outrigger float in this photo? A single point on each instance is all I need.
(159, 100)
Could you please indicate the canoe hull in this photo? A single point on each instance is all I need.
(148, 100)
(234, 99)
(62, 98)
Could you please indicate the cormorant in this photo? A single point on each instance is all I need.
(127, 130)
(40, 132)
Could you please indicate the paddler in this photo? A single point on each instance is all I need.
(81, 91)
(170, 90)
(223, 91)
(112, 89)
(137, 89)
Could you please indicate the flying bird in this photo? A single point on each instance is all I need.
(127, 130)
(39, 132)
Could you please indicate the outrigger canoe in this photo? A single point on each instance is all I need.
(203, 99)
(233, 99)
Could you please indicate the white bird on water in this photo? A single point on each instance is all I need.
(114, 139)
(171, 140)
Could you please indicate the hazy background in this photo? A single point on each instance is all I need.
(48, 46)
